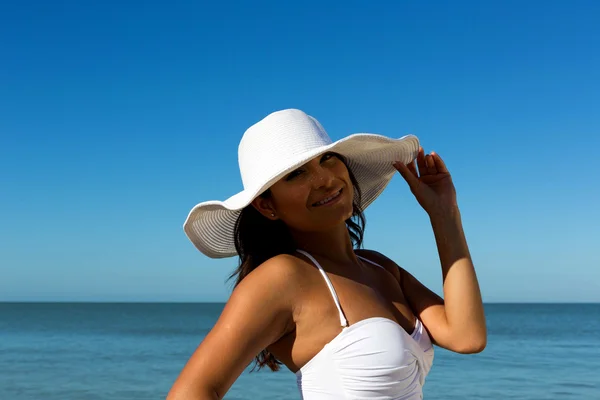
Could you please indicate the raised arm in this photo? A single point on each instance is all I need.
(259, 313)
(463, 304)
(458, 321)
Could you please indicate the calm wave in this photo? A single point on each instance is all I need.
(114, 351)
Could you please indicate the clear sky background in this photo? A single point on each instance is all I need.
(117, 117)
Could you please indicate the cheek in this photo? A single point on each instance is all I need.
(341, 171)
(290, 200)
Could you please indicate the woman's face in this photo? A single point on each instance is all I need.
(315, 197)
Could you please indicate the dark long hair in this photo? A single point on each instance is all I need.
(274, 239)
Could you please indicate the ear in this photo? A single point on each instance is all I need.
(265, 207)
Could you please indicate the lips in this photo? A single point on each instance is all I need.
(328, 199)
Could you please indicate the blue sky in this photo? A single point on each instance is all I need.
(117, 117)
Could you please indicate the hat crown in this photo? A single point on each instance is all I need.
(272, 144)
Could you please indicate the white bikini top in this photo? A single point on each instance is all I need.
(371, 359)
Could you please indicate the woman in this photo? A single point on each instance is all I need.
(349, 322)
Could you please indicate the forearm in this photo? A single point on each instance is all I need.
(462, 296)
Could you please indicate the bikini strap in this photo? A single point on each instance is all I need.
(343, 320)
(418, 330)
(369, 261)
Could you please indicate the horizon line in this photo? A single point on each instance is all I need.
(224, 302)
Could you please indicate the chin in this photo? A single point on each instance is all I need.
(339, 215)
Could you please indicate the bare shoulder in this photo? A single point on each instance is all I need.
(259, 312)
(272, 283)
(281, 269)
(382, 260)
(410, 284)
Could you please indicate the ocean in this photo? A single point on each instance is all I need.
(97, 351)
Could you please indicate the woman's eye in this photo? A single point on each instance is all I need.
(293, 175)
(327, 156)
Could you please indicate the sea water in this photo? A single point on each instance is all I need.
(113, 351)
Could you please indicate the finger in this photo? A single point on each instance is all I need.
(412, 167)
(421, 162)
(439, 163)
(408, 176)
(430, 164)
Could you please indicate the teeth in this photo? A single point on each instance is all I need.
(320, 203)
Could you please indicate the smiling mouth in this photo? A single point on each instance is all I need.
(328, 199)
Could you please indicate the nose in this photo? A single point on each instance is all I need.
(322, 177)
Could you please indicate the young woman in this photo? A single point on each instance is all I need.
(349, 322)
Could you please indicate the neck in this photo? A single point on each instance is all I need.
(334, 244)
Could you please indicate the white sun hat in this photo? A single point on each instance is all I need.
(277, 145)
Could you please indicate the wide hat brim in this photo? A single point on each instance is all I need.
(210, 225)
